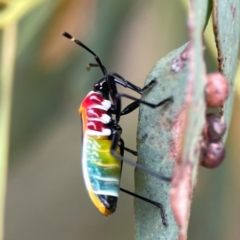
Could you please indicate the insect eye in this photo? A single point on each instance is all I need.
(96, 86)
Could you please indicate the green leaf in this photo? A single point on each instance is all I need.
(154, 147)
(171, 134)
(226, 23)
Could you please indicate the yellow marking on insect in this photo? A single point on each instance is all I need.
(99, 204)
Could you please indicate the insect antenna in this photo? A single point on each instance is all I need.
(92, 65)
(67, 35)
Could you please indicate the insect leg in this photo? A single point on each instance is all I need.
(151, 105)
(130, 108)
(122, 148)
(115, 141)
(157, 204)
(134, 105)
(123, 82)
(131, 151)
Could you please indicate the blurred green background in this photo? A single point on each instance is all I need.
(46, 197)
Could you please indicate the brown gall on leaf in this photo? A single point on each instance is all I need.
(214, 128)
(216, 91)
(213, 155)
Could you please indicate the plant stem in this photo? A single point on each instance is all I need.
(7, 73)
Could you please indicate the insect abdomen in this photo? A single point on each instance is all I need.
(101, 173)
(101, 170)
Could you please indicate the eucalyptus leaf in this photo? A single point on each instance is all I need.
(172, 133)
(227, 34)
(154, 147)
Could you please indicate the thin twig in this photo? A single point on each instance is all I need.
(7, 73)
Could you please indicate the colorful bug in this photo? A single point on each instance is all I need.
(103, 147)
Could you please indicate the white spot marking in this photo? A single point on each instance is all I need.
(104, 132)
(106, 103)
(105, 118)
